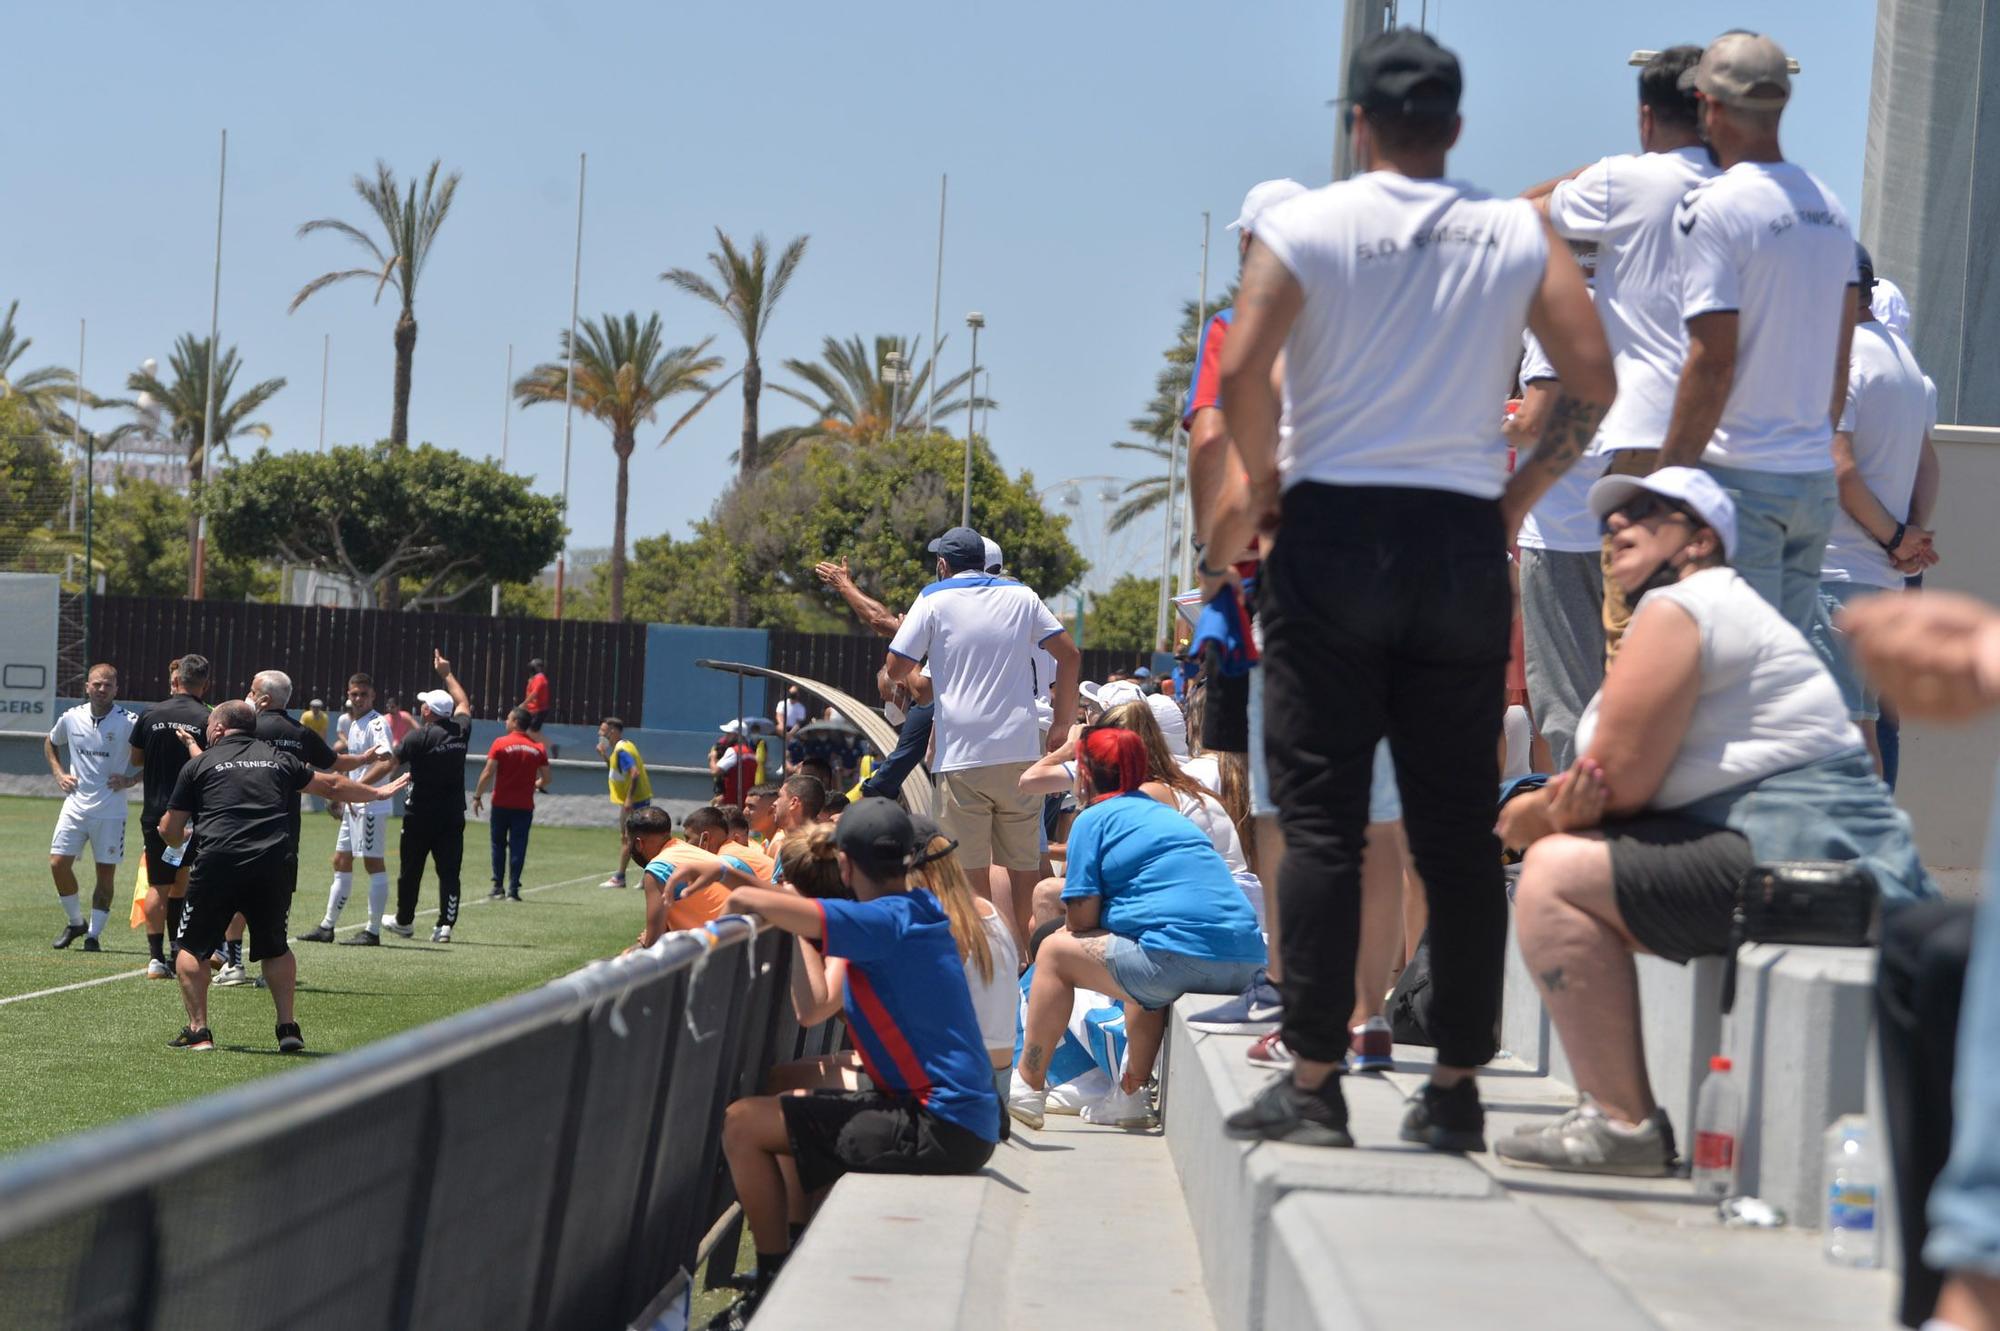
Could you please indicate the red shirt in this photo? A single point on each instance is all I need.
(516, 759)
(538, 694)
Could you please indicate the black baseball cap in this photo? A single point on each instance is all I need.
(961, 548)
(1405, 72)
(878, 836)
(1864, 261)
(927, 831)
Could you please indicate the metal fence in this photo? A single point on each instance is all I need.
(551, 1160)
(598, 669)
(849, 661)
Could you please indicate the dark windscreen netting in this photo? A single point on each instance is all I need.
(548, 1162)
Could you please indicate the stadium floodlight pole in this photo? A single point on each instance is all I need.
(937, 297)
(200, 577)
(1187, 481)
(506, 418)
(975, 321)
(76, 441)
(1167, 538)
(325, 361)
(569, 378)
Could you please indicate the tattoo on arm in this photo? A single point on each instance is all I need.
(1572, 425)
(1031, 1060)
(1553, 980)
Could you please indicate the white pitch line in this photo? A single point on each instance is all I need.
(133, 975)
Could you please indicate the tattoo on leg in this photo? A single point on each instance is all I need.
(1031, 1059)
(1096, 947)
(1553, 981)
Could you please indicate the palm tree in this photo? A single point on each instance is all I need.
(851, 402)
(622, 376)
(410, 225)
(43, 391)
(1162, 417)
(749, 290)
(179, 407)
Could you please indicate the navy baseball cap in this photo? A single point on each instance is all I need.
(877, 835)
(961, 548)
(1405, 72)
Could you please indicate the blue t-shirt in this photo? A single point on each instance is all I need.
(909, 1009)
(1162, 883)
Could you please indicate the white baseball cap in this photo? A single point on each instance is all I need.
(1111, 695)
(1173, 725)
(1892, 307)
(993, 559)
(1690, 487)
(1264, 196)
(438, 701)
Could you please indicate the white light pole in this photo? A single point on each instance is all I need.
(569, 382)
(937, 296)
(200, 575)
(325, 363)
(975, 321)
(506, 419)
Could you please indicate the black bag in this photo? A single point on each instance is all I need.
(1410, 1001)
(1813, 903)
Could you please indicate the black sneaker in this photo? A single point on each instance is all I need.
(1446, 1120)
(190, 1038)
(497, 893)
(289, 1039)
(320, 934)
(514, 894)
(362, 939)
(1282, 1112)
(70, 933)
(91, 944)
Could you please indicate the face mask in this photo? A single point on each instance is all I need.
(1665, 574)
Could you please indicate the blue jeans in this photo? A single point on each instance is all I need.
(1863, 702)
(1965, 1205)
(509, 829)
(1154, 979)
(911, 742)
(1782, 521)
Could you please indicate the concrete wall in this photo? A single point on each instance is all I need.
(681, 695)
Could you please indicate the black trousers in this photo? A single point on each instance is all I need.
(438, 840)
(1386, 612)
(1919, 981)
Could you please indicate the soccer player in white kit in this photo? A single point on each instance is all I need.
(98, 735)
(364, 828)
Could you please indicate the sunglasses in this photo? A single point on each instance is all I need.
(1644, 507)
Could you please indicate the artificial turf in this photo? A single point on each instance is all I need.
(85, 1057)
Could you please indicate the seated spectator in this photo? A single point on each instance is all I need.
(1153, 913)
(760, 813)
(933, 1110)
(707, 828)
(985, 943)
(1717, 740)
(1165, 775)
(801, 800)
(1084, 1068)
(650, 832)
(738, 821)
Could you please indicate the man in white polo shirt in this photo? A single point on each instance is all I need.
(1767, 293)
(980, 633)
(98, 735)
(1624, 205)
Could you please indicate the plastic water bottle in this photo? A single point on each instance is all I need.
(1718, 1124)
(1853, 1194)
(174, 854)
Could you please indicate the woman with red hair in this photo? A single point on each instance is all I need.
(1152, 913)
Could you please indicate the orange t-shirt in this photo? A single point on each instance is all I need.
(702, 904)
(764, 866)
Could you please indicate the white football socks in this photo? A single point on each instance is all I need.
(97, 919)
(378, 900)
(72, 907)
(336, 901)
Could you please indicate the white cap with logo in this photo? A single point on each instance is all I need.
(1690, 487)
(438, 701)
(1263, 197)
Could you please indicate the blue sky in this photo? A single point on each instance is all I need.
(1083, 141)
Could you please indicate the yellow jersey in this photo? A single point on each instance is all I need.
(627, 770)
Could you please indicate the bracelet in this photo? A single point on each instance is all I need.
(1897, 539)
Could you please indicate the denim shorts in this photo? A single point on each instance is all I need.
(1864, 702)
(1154, 979)
(1385, 801)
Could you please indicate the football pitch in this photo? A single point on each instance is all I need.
(76, 1054)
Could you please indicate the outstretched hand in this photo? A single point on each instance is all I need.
(834, 573)
(439, 664)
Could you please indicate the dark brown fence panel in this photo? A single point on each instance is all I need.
(596, 669)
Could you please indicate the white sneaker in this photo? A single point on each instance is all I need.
(1024, 1102)
(441, 934)
(615, 880)
(400, 930)
(1119, 1110)
(158, 970)
(1065, 1099)
(233, 977)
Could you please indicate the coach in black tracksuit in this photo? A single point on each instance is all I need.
(434, 821)
(270, 691)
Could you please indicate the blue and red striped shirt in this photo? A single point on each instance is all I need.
(908, 1006)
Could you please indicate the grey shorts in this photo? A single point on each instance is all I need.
(1675, 882)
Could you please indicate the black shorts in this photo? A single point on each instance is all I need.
(536, 719)
(866, 1132)
(1675, 882)
(260, 890)
(158, 872)
(1225, 715)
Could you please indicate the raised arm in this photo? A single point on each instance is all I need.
(461, 706)
(1047, 774)
(874, 616)
(333, 786)
(819, 985)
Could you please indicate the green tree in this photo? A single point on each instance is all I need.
(878, 508)
(176, 408)
(746, 289)
(409, 225)
(34, 489)
(850, 401)
(623, 374)
(140, 546)
(47, 393)
(1124, 615)
(449, 523)
(1156, 425)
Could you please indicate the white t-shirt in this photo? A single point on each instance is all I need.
(99, 749)
(996, 1002)
(1561, 520)
(789, 714)
(1768, 241)
(1888, 415)
(1416, 292)
(1625, 206)
(1767, 705)
(978, 632)
(1208, 814)
(367, 734)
